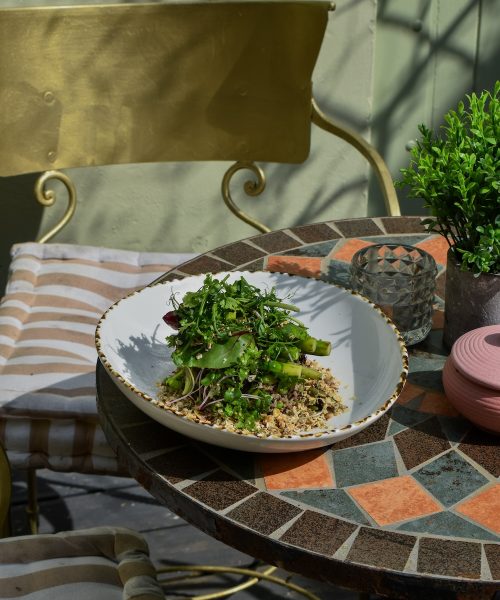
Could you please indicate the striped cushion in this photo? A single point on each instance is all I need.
(103, 563)
(54, 298)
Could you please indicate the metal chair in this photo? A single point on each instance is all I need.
(99, 562)
(120, 84)
(102, 562)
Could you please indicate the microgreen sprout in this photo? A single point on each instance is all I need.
(235, 345)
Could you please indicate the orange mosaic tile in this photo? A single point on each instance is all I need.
(484, 508)
(296, 265)
(437, 403)
(395, 499)
(409, 393)
(347, 250)
(296, 470)
(437, 246)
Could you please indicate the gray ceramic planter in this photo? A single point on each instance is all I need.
(470, 302)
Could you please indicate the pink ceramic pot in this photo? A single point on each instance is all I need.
(471, 377)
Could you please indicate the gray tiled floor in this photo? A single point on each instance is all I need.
(73, 501)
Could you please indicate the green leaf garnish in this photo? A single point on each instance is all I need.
(235, 344)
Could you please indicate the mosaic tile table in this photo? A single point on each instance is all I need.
(410, 506)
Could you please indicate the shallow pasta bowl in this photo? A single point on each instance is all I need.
(368, 356)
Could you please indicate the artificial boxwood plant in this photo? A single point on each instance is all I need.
(457, 173)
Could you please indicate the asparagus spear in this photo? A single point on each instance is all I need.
(292, 370)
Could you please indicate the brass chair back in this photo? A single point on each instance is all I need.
(131, 83)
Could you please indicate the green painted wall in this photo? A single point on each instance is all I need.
(384, 67)
(429, 54)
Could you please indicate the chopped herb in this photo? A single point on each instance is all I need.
(235, 345)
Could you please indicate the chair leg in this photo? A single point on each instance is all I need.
(32, 505)
(5, 494)
(254, 577)
(6, 526)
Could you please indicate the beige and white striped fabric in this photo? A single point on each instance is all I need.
(103, 563)
(55, 295)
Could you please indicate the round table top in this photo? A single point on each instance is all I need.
(409, 505)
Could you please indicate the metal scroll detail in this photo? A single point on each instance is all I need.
(47, 197)
(368, 151)
(251, 187)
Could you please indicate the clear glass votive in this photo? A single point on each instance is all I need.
(401, 280)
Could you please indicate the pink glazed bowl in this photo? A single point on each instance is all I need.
(471, 377)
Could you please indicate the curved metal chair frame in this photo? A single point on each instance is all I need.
(144, 79)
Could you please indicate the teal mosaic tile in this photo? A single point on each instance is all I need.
(426, 371)
(316, 250)
(337, 271)
(403, 417)
(408, 240)
(450, 478)
(371, 462)
(455, 428)
(333, 501)
(447, 524)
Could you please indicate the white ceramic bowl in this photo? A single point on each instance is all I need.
(368, 356)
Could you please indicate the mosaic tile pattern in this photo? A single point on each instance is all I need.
(318, 532)
(378, 548)
(238, 253)
(331, 500)
(179, 465)
(220, 490)
(264, 513)
(450, 557)
(446, 523)
(416, 494)
(450, 478)
(296, 470)
(389, 501)
(493, 556)
(421, 443)
(370, 462)
(484, 508)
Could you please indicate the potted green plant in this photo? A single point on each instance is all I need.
(456, 172)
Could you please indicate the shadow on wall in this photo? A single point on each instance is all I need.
(178, 208)
(454, 52)
(147, 207)
(21, 216)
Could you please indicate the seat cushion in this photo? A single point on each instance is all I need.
(54, 298)
(103, 563)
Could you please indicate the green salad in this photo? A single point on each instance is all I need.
(240, 358)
